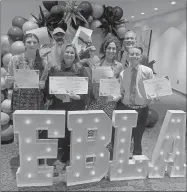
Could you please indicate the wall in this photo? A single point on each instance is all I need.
(168, 45)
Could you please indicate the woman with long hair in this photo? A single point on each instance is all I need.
(70, 66)
(28, 98)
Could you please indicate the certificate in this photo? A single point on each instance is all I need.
(25, 78)
(82, 35)
(158, 87)
(65, 85)
(101, 72)
(109, 87)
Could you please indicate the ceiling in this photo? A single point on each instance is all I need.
(136, 7)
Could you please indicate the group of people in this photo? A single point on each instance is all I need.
(63, 60)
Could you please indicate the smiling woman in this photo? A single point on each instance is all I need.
(28, 98)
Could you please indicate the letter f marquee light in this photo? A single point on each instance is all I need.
(26, 124)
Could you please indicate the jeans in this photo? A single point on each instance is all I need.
(138, 131)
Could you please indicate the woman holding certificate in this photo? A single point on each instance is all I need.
(70, 101)
(110, 50)
(28, 71)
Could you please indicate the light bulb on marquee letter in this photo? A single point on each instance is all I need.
(89, 140)
(121, 167)
(169, 151)
(26, 123)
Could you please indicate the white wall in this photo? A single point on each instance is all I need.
(168, 45)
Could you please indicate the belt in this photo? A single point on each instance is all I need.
(135, 106)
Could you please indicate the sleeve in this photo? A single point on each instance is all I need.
(122, 90)
(150, 74)
(12, 66)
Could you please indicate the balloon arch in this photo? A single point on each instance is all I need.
(56, 14)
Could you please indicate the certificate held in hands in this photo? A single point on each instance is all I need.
(101, 72)
(25, 78)
(109, 87)
(65, 85)
(157, 87)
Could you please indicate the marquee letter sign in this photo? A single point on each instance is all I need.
(89, 158)
(27, 123)
(169, 152)
(90, 133)
(121, 167)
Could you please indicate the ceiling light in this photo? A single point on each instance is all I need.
(156, 9)
(173, 2)
(132, 16)
(142, 13)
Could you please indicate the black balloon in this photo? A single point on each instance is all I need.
(85, 8)
(108, 12)
(49, 4)
(57, 11)
(118, 13)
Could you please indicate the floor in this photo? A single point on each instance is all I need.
(9, 161)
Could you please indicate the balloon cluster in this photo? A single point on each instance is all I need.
(91, 15)
(11, 44)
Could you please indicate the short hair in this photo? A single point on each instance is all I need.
(138, 47)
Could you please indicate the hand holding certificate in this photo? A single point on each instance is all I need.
(157, 87)
(109, 87)
(25, 78)
(101, 72)
(66, 85)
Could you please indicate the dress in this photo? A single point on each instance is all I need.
(27, 98)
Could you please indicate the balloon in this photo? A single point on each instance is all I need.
(85, 8)
(18, 21)
(121, 32)
(57, 11)
(46, 13)
(6, 59)
(49, 4)
(97, 11)
(6, 106)
(5, 44)
(3, 83)
(108, 12)
(29, 25)
(7, 134)
(3, 72)
(4, 118)
(118, 13)
(95, 24)
(17, 48)
(9, 94)
(2, 97)
(152, 118)
(15, 34)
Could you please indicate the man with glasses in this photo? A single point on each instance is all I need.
(133, 95)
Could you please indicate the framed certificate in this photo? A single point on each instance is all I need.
(158, 87)
(101, 72)
(65, 85)
(109, 87)
(26, 78)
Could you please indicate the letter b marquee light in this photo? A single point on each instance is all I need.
(26, 123)
(89, 158)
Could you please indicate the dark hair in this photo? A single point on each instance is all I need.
(38, 61)
(110, 39)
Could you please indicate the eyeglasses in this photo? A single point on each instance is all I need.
(135, 54)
